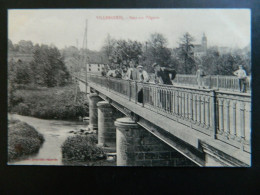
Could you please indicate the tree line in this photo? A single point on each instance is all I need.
(45, 68)
(182, 58)
(50, 66)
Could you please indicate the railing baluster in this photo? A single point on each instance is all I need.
(242, 120)
(195, 108)
(176, 103)
(135, 92)
(199, 109)
(172, 102)
(208, 112)
(186, 106)
(203, 110)
(129, 88)
(233, 133)
(182, 104)
(221, 116)
(191, 107)
(213, 111)
(227, 132)
(167, 101)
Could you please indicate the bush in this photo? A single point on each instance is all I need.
(49, 103)
(22, 109)
(82, 148)
(23, 139)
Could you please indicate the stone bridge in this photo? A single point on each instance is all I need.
(161, 125)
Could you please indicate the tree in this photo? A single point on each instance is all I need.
(210, 60)
(225, 64)
(48, 67)
(23, 73)
(125, 51)
(155, 50)
(108, 47)
(25, 46)
(186, 54)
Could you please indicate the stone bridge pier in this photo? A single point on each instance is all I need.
(107, 114)
(134, 145)
(93, 113)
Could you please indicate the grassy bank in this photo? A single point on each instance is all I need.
(23, 139)
(48, 103)
(82, 148)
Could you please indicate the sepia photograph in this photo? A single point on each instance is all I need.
(129, 87)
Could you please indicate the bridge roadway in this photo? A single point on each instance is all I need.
(209, 127)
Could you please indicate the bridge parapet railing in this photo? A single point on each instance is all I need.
(222, 115)
(228, 83)
(233, 118)
(188, 106)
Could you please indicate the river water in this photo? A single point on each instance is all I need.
(55, 133)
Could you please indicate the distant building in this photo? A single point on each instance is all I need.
(94, 68)
(224, 50)
(201, 49)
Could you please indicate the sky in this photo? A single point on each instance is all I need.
(66, 27)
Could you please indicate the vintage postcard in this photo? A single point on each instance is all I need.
(129, 87)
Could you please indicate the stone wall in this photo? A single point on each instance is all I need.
(137, 147)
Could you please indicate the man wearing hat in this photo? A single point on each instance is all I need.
(143, 75)
(241, 75)
(162, 74)
(132, 72)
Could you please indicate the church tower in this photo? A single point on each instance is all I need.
(204, 42)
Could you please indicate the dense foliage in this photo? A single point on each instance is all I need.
(39, 85)
(49, 103)
(156, 50)
(185, 54)
(23, 139)
(45, 67)
(82, 148)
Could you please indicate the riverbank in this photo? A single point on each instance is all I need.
(23, 139)
(49, 103)
(55, 133)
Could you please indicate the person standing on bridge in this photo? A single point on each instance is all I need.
(164, 76)
(124, 72)
(142, 77)
(142, 74)
(200, 74)
(241, 75)
(132, 72)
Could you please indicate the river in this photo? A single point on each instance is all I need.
(55, 133)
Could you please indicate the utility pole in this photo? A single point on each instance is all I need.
(85, 58)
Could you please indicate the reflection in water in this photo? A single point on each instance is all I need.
(55, 133)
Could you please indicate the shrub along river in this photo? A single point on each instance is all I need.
(55, 133)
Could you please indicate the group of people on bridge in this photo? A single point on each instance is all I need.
(162, 75)
(137, 73)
